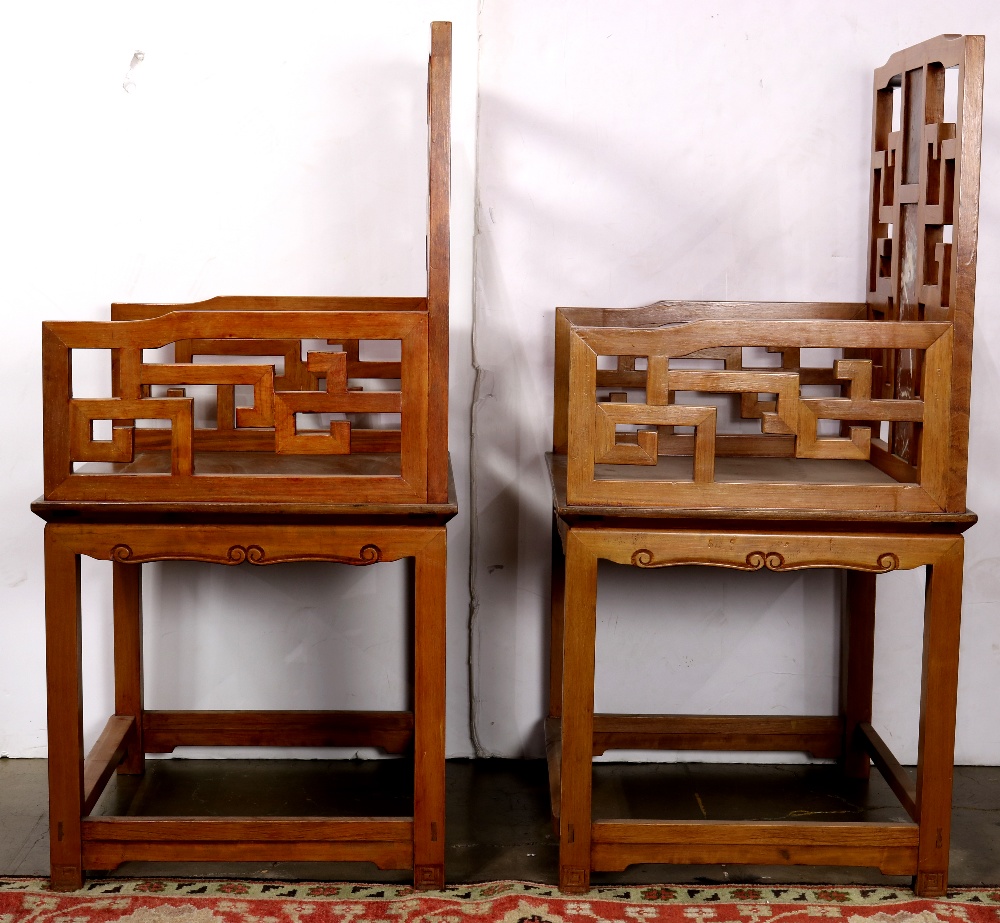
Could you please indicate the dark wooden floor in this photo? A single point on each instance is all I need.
(498, 817)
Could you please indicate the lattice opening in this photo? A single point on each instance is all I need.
(383, 422)
(729, 419)
(757, 357)
(91, 376)
(224, 359)
(951, 94)
(379, 350)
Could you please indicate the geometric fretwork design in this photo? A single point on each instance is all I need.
(787, 414)
(250, 407)
(671, 398)
(120, 448)
(925, 116)
(225, 378)
(336, 399)
(617, 448)
(781, 420)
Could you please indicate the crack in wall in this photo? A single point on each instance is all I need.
(479, 373)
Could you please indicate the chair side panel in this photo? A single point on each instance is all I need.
(749, 414)
(242, 405)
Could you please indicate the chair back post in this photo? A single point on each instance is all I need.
(438, 255)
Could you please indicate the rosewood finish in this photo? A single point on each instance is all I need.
(781, 436)
(251, 431)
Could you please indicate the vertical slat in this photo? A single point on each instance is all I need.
(127, 595)
(438, 257)
(415, 451)
(935, 451)
(429, 713)
(912, 124)
(938, 702)
(909, 238)
(63, 653)
(560, 406)
(582, 389)
(57, 390)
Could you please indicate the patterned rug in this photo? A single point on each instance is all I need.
(28, 900)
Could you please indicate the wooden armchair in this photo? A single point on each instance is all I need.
(785, 436)
(258, 431)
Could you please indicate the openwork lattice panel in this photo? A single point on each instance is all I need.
(680, 416)
(242, 406)
(924, 210)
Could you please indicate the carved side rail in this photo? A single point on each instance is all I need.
(241, 405)
(754, 414)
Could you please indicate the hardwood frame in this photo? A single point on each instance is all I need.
(337, 474)
(575, 734)
(252, 489)
(590, 428)
(884, 491)
(81, 841)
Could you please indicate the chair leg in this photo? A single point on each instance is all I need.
(580, 623)
(127, 590)
(430, 588)
(938, 702)
(557, 596)
(65, 712)
(857, 642)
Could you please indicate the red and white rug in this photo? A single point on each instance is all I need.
(28, 900)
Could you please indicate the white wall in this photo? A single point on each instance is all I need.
(627, 151)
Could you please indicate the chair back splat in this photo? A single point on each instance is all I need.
(923, 227)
